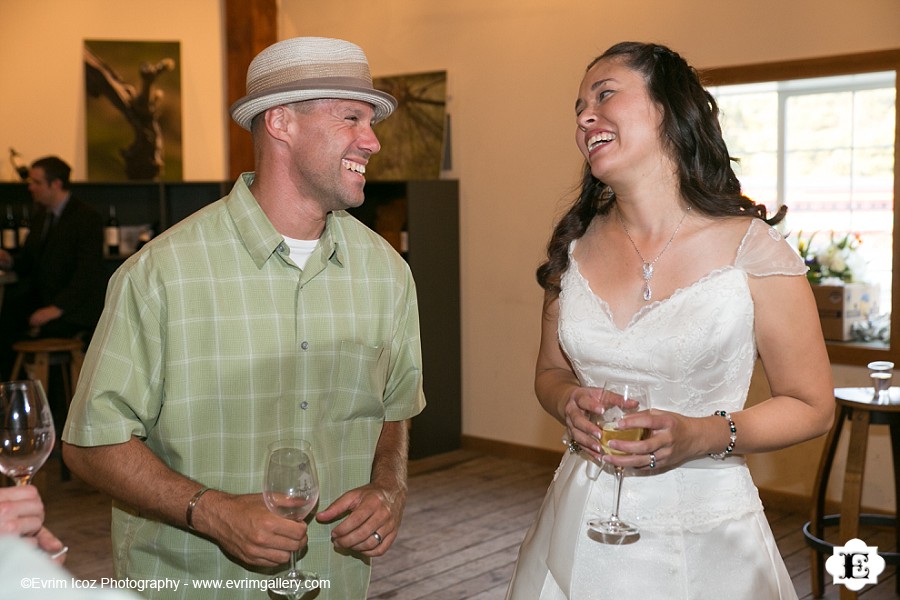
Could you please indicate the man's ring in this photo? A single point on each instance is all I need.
(378, 537)
(652, 464)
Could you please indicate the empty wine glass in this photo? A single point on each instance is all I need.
(619, 398)
(26, 429)
(291, 490)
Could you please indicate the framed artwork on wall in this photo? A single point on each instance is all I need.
(133, 110)
(414, 140)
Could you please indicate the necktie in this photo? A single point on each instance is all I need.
(49, 224)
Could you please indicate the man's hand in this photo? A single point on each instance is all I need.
(244, 528)
(371, 510)
(44, 315)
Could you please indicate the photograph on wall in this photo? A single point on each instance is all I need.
(413, 137)
(133, 110)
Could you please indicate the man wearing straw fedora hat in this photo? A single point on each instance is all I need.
(269, 314)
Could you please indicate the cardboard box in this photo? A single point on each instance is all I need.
(840, 306)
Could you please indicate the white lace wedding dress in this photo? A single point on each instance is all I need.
(703, 532)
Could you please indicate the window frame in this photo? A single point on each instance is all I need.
(849, 353)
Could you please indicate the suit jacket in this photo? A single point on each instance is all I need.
(66, 268)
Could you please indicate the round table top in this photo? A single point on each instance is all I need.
(864, 398)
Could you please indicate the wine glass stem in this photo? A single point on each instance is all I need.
(294, 577)
(620, 472)
(293, 572)
(23, 480)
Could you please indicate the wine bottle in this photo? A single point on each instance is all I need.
(404, 242)
(18, 164)
(10, 231)
(111, 232)
(24, 226)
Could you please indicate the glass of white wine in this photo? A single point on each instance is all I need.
(619, 398)
(291, 490)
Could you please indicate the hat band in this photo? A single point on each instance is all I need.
(320, 83)
(311, 72)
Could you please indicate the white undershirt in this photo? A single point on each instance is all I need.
(301, 250)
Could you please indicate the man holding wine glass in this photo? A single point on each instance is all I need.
(268, 315)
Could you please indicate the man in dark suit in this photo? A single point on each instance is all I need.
(62, 281)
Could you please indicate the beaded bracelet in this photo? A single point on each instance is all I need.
(733, 438)
(189, 515)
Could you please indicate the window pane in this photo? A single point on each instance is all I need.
(819, 121)
(873, 118)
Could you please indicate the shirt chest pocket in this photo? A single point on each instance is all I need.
(359, 383)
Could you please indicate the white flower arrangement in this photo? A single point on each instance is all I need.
(835, 262)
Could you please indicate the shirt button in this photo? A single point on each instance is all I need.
(304, 405)
(304, 345)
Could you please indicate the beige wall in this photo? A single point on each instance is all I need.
(42, 77)
(513, 69)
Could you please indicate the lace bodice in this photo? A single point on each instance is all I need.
(694, 349)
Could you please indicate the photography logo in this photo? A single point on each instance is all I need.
(855, 565)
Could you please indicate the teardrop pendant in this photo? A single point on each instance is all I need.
(646, 292)
(647, 267)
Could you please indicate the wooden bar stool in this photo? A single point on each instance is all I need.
(856, 406)
(37, 356)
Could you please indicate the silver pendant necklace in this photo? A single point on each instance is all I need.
(647, 267)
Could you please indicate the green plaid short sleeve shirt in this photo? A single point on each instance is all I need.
(213, 344)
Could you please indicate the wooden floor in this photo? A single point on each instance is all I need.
(466, 516)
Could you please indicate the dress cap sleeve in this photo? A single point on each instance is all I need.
(764, 252)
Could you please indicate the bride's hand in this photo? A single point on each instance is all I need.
(581, 402)
(671, 439)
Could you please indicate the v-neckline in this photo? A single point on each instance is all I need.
(647, 308)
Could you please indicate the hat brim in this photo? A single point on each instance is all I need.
(251, 105)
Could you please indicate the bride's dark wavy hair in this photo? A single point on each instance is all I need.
(691, 132)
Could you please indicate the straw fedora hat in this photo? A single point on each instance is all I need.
(309, 68)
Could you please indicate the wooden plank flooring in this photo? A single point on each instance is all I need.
(465, 518)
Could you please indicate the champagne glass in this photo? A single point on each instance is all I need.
(26, 429)
(619, 398)
(291, 490)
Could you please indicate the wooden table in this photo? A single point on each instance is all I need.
(857, 406)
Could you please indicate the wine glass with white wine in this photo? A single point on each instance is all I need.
(27, 434)
(291, 490)
(619, 398)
